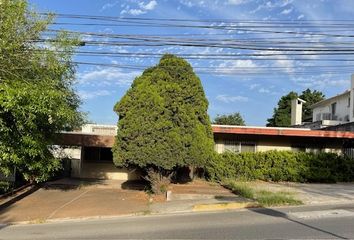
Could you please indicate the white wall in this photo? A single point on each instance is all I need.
(342, 109)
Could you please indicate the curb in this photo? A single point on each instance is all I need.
(224, 206)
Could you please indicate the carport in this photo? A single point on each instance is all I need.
(92, 157)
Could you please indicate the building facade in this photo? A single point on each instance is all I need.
(334, 111)
(91, 155)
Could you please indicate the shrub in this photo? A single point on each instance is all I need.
(158, 181)
(4, 187)
(281, 166)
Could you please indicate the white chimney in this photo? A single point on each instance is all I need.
(296, 111)
(351, 106)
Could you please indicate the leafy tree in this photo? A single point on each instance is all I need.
(163, 121)
(311, 97)
(282, 113)
(231, 119)
(37, 99)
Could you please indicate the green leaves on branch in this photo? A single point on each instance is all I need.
(282, 113)
(37, 99)
(282, 166)
(163, 120)
(230, 119)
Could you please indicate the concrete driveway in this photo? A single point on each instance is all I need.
(75, 201)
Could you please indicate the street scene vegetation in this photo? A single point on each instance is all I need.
(37, 97)
(163, 122)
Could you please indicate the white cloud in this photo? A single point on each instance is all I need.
(236, 2)
(85, 95)
(136, 12)
(301, 16)
(108, 6)
(230, 99)
(149, 6)
(142, 8)
(287, 11)
(107, 77)
(321, 82)
(263, 90)
(254, 86)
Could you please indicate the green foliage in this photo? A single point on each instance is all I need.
(268, 199)
(239, 188)
(263, 197)
(37, 99)
(311, 97)
(282, 113)
(282, 166)
(163, 120)
(5, 187)
(231, 119)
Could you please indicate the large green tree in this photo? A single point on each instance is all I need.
(311, 97)
(229, 119)
(37, 99)
(282, 113)
(163, 121)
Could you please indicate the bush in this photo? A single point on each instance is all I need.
(281, 166)
(159, 180)
(5, 187)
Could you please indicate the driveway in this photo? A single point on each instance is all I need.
(75, 201)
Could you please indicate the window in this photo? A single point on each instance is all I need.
(97, 154)
(235, 146)
(348, 101)
(231, 146)
(333, 109)
(248, 147)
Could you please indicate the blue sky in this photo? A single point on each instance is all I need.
(253, 95)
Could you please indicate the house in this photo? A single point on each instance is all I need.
(334, 111)
(91, 156)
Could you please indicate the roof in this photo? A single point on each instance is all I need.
(325, 101)
(97, 140)
(275, 131)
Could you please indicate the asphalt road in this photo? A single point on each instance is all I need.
(325, 222)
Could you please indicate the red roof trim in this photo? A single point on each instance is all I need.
(282, 132)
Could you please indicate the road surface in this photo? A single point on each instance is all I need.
(326, 222)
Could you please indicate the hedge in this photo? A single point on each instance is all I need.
(282, 166)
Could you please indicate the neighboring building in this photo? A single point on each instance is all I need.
(99, 129)
(91, 155)
(331, 113)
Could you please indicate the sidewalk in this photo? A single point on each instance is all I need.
(76, 199)
(313, 193)
(81, 200)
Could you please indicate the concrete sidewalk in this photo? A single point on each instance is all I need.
(312, 193)
(72, 199)
(76, 201)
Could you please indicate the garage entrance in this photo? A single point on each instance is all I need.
(97, 162)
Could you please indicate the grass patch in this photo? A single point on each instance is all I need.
(267, 198)
(240, 188)
(264, 198)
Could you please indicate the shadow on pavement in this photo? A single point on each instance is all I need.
(20, 196)
(274, 213)
(140, 185)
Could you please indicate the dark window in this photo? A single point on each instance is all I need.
(333, 109)
(96, 154)
(248, 147)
